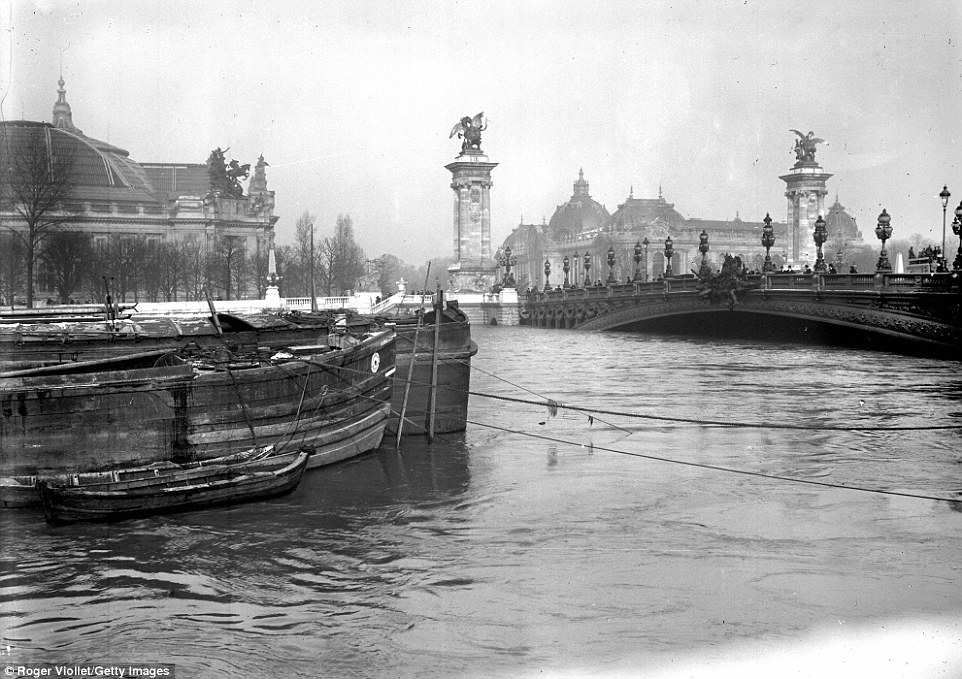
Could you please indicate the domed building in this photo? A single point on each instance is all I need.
(595, 247)
(841, 228)
(581, 213)
(113, 197)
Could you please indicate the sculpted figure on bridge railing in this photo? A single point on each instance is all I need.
(727, 283)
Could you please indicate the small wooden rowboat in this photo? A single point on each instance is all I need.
(21, 491)
(174, 490)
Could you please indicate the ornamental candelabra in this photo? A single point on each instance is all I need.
(587, 263)
(944, 195)
(645, 243)
(507, 260)
(637, 277)
(611, 265)
(820, 235)
(566, 267)
(703, 249)
(547, 274)
(669, 251)
(883, 232)
(957, 230)
(768, 241)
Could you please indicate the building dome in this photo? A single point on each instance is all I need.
(101, 171)
(840, 226)
(580, 214)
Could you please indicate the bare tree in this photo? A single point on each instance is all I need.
(39, 182)
(298, 270)
(12, 257)
(67, 257)
(230, 261)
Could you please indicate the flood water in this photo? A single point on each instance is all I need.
(546, 542)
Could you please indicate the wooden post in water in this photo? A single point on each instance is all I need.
(414, 357)
(438, 306)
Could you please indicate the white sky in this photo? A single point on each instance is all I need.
(352, 102)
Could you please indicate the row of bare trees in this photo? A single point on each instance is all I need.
(332, 264)
(75, 268)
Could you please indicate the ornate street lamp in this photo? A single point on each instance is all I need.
(883, 232)
(587, 263)
(575, 261)
(944, 195)
(611, 265)
(637, 262)
(768, 241)
(669, 251)
(566, 267)
(703, 249)
(547, 274)
(645, 243)
(820, 236)
(957, 230)
(507, 261)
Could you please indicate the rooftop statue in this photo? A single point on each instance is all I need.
(226, 179)
(470, 130)
(805, 147)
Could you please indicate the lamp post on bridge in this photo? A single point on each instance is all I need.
(669, 251)
(547, 274)
(883, 232)
(587, 263)
(637, 277)
(957, 230)
(507, 261)
(645, 243)
(820, 236)
(768, 241)
(566, 267)
(575, 262)
(944, 195)
(703, 249)
(611, 265)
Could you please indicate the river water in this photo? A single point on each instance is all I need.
(567, 543)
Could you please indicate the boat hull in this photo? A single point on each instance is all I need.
(336, 403)
(454, 348)
(174, 491)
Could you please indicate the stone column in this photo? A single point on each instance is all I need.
(475, 269)
(805, 191)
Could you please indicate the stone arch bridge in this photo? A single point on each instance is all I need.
(921, 313)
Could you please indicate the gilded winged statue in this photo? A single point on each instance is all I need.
(469, 129)
(805, 146)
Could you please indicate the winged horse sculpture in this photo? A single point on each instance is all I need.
(469, 129)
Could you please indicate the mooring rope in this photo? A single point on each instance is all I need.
(554, 405)
(718, 468)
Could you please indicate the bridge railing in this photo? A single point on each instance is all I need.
(775, 281)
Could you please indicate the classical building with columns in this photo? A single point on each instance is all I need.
(584, 233)
(115, 196)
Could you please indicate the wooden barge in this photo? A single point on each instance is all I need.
(156, 406)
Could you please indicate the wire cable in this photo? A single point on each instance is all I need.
(718, 468)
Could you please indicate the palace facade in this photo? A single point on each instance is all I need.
(115, 196)
(582, 231)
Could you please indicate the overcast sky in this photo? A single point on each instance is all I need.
(352, 103)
